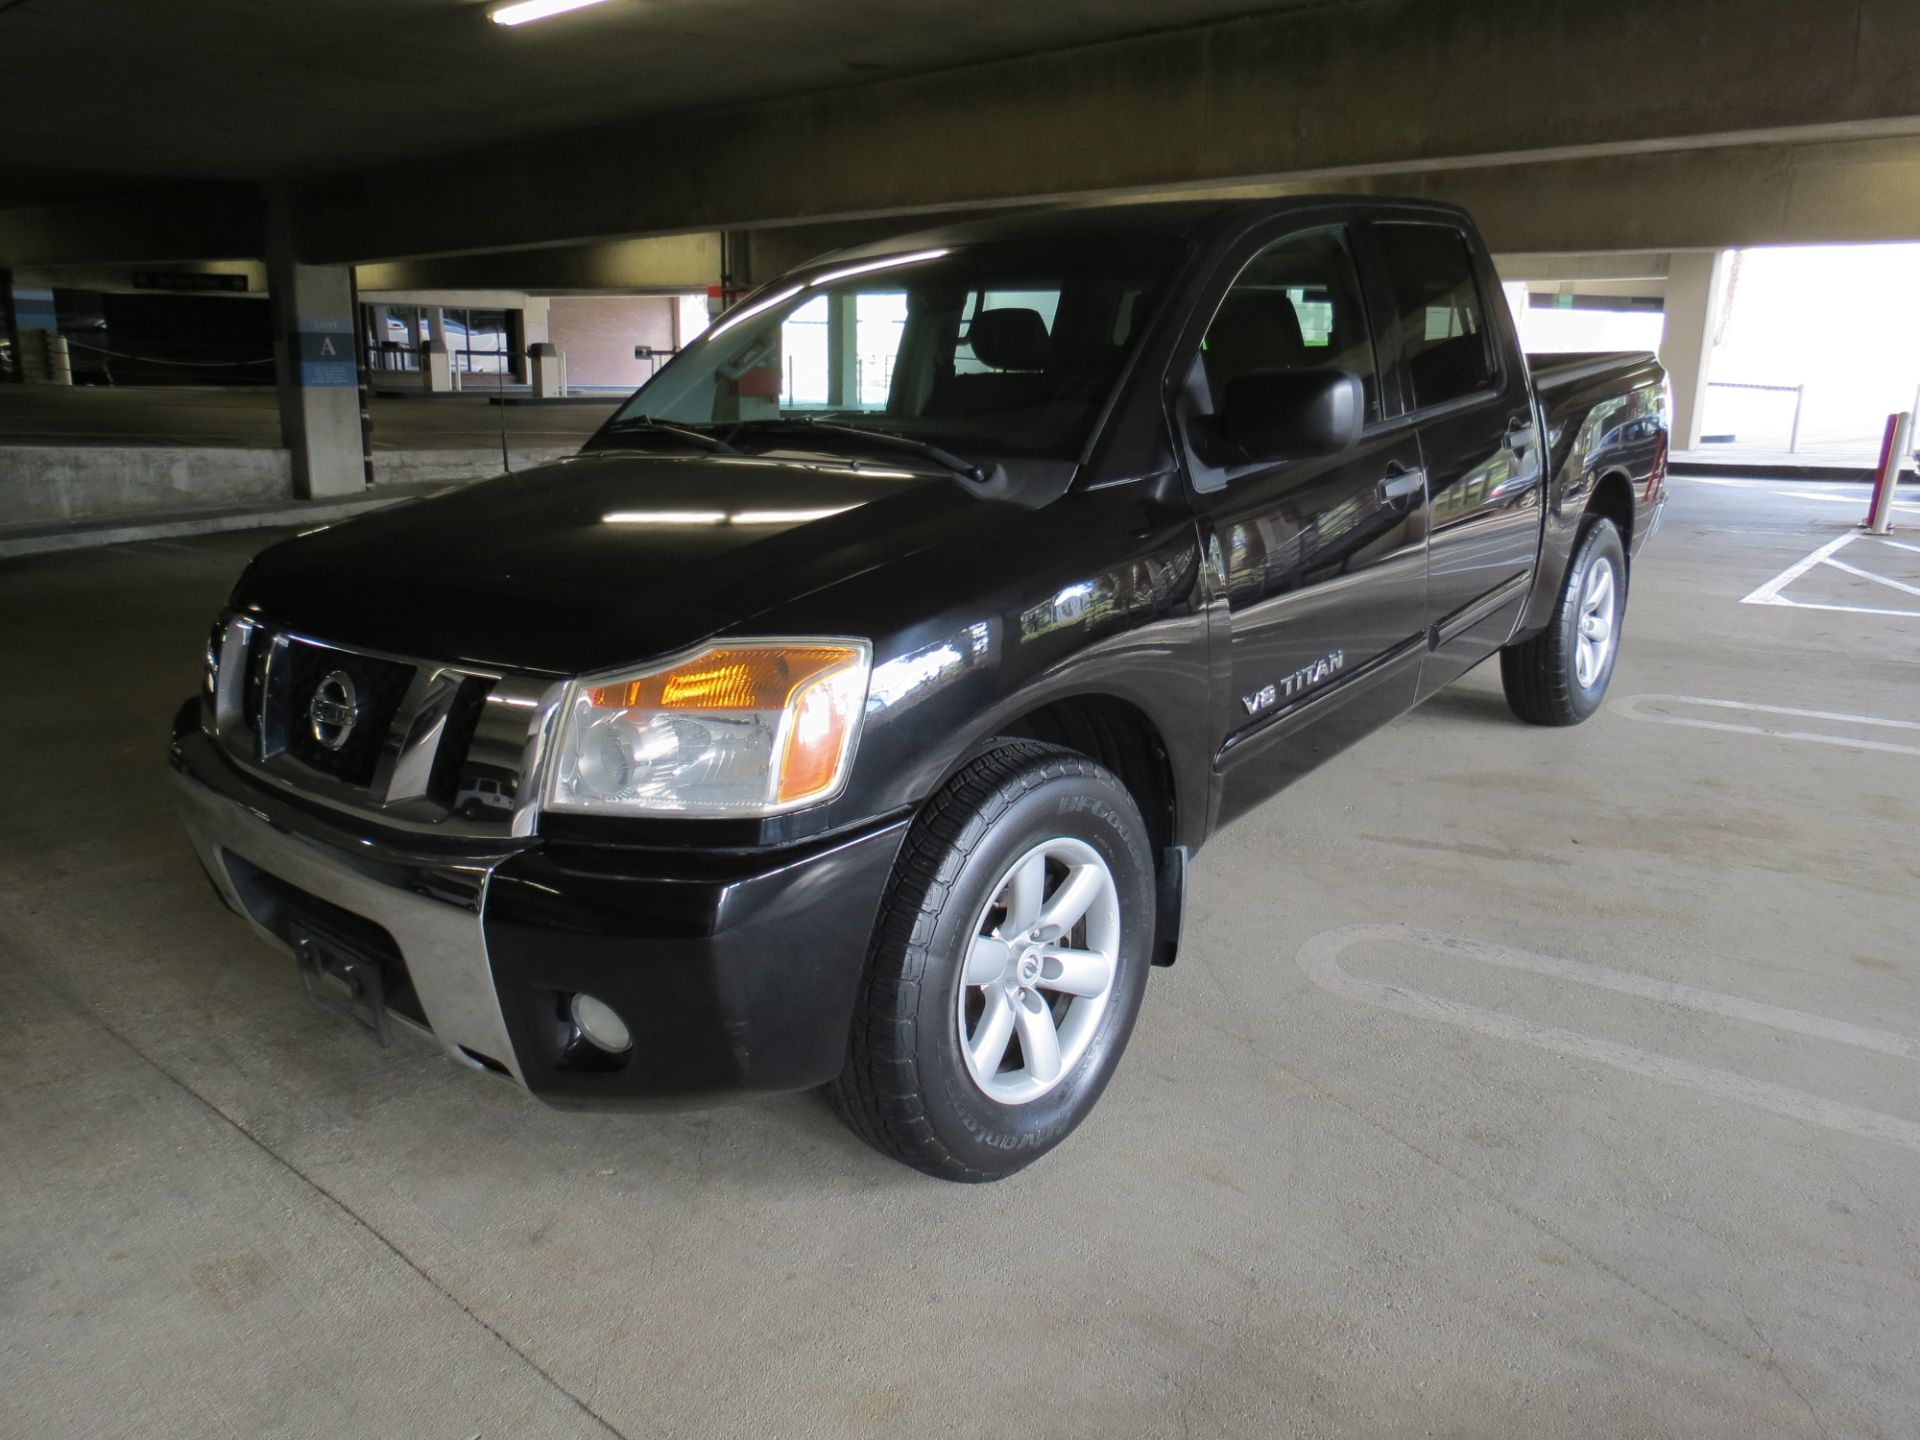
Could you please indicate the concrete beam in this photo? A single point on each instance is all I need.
(118, 279)
(1605, 218)
(1558, 268)
(1788, 194)
(1372, 86)
(441, 299)
(186, 222)
(668, 264)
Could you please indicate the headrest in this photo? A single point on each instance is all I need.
(1011, 339)
(1256, 330)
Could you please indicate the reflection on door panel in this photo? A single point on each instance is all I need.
(1485, 487)
(1321, 570)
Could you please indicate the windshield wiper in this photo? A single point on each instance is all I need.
(630, 423)
(960, 465)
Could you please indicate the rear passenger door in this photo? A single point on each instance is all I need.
(1318, 562)
(1471, 401)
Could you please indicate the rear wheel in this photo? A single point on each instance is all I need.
(1009, 963)
(1559, 677)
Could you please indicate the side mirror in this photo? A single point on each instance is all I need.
(1293, 414)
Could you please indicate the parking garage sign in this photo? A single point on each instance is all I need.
(326, 354)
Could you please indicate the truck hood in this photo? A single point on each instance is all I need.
(598, 560)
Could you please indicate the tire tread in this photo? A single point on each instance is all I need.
(878, 1092)
(1537, 673)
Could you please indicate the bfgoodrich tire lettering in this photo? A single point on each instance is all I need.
(907, 1088)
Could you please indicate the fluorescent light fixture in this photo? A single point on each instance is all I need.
(665, 517)
(887, 264)
(721, 517)
(787, 517)
(529, 10)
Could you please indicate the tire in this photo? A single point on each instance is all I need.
(1559, 676)
(909, 1089)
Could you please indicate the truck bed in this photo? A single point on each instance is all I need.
(1557, 372)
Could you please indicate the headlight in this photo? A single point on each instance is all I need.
(740, 729)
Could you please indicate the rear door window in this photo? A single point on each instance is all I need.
(1443, 319)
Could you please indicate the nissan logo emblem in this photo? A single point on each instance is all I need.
(334, 709)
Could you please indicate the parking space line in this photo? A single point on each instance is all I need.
(1632, 706)
(1869, 575)
(1767, 594)
(1837, 499)
(1319, 960)
(1771, 593)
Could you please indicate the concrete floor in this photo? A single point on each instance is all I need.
(250, 418)
(1346, 1183)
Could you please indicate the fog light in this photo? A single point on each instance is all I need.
(601, 1024)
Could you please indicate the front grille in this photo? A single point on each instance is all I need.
(378, 686)
(463, 719)
(430, 745)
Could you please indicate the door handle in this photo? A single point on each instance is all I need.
(1520, 435)
(1400, 482)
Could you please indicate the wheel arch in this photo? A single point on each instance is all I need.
(1121, 737)
(1612, 499)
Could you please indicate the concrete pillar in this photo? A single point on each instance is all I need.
(59, 361)
(317, 367)
(690, 318)
(1696, 295)
(436, 358)
(436, 367)
(536, 319)
(536, 328)
(843, 351)
(33, 323)
(548, 374)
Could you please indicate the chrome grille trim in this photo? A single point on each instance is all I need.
(507, 742)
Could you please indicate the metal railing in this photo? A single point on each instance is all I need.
(1799, 393)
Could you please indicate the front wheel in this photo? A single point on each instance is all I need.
(1560, 675)
(1010, 960)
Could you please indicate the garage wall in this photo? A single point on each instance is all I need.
(597, 334)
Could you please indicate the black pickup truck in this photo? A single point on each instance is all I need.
(849, 710)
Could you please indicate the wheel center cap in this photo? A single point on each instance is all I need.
(1029, 968)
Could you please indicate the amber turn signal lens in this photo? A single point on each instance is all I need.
(726, 679)
(820, 724)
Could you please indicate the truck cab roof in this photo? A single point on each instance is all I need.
(1168, 219)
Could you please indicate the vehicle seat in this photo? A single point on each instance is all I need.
(1255, 330)
(1446, 369)
(1016, 344)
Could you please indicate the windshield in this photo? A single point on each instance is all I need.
(999, 349)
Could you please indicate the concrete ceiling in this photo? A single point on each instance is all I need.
(272, 89)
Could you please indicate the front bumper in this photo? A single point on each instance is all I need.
(736, 971)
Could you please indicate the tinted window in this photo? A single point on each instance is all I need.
(1296, 306)
(1442, 322)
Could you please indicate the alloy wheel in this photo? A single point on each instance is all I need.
(1595, 624)
(1039, 971)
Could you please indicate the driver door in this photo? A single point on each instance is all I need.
(1319, 562)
